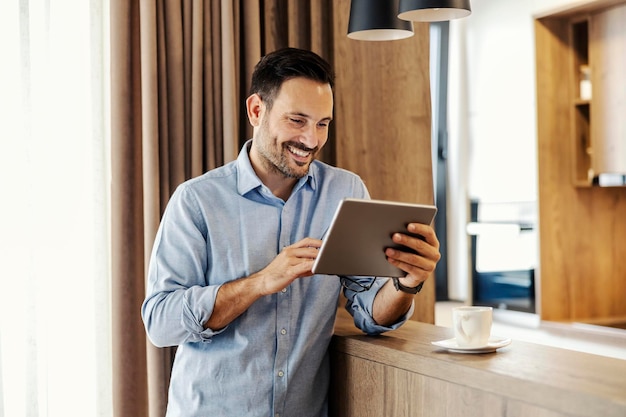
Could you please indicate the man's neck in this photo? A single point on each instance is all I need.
(278, 184)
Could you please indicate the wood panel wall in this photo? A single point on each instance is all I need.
(582, 230)
(383, 119)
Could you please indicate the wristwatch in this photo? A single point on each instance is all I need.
(410, 290)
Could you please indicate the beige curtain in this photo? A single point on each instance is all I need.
(180, 72)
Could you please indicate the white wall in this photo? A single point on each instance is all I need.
(492, 117)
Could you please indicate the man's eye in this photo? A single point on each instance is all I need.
(297, 121)
(323, 125)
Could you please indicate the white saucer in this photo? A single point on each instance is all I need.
(493, 344)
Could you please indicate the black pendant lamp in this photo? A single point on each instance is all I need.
(377, 20)
(433, 10)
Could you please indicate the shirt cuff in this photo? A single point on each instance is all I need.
(198, 304)
(361, 308)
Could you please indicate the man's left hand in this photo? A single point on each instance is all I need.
(418, 265)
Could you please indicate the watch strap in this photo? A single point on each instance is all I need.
(409, 290)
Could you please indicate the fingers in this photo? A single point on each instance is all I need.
(293, 262)
(297, 260)
(424, 240)
(306, 248)
(307, 242)
(426, 246)
(426, 232)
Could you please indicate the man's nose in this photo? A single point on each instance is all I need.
(312, 137)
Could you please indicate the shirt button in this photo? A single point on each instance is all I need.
(283, 331)
(284, 290)
(281, 374)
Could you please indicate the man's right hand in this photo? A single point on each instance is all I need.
(293, 262)
(234, 297)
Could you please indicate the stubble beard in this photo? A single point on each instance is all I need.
(277, 159)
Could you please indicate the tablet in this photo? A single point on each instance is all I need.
(359, 233)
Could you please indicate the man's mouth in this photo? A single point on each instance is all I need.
(298, 152)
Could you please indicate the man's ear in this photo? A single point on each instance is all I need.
(255, 108)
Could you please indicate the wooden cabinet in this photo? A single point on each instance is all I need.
(401, 374)
(582, 228)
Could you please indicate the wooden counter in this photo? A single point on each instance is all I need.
(401, 373)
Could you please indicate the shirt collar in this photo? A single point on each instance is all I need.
(247, 179)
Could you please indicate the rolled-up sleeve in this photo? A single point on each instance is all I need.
(361, 306)
(178, 300)
(195, 313)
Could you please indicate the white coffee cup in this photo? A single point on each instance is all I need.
(472, 325)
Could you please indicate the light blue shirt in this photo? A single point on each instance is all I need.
(272, 360)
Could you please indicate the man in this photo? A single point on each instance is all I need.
(230, 279)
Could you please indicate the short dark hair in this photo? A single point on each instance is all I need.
(283, 64)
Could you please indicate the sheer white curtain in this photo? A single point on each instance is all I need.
(54, 182)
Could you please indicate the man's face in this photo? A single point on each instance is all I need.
(289, 136)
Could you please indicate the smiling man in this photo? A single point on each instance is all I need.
(290, 130)
(230, 279)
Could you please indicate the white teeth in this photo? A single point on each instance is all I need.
(298, 152)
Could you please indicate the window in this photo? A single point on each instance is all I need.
(54, 263)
